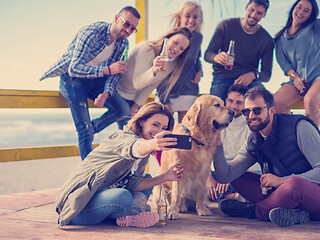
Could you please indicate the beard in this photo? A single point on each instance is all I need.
(254, 24)
(259, 127)
(122, 34)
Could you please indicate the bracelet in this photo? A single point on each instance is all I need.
(109, 69)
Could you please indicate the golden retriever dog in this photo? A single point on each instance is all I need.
(204, 119)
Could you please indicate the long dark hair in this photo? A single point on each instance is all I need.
(313, 16)
(157, 46)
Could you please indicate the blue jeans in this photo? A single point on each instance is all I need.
(220, 86)
(76, 91)
(111, 203)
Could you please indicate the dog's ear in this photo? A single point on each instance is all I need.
(192, 116)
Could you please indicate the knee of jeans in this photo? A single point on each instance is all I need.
(292, 183)
(85, 131)
(124, 111)
(219, 91)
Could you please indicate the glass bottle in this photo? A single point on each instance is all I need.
(164, 53)
(124, 56)
(162, 207)
(265, 170)
(229, 65)
(305, 82)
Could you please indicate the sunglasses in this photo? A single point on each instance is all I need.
(256, 111)
(127, 24)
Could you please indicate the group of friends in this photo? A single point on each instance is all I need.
(110, 182)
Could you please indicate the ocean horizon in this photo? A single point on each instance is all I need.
(47, 127)
(43, 127)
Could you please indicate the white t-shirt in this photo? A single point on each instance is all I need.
(102, 56)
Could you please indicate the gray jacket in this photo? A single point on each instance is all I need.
(111, 161)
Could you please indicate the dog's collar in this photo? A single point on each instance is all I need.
(187, 131)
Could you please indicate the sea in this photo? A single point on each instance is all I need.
(34, 128)
(43, 127)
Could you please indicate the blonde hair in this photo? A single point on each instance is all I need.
(157, 46)
(146, 112)
(176, 17)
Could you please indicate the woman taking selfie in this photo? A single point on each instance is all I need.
(110, 182)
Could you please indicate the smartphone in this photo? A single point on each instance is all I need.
(183, 141)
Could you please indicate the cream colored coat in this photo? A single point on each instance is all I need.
(104, 166)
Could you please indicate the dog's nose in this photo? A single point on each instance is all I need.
(231, 112)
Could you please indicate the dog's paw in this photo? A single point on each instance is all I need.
(173, 215)
(204, 211)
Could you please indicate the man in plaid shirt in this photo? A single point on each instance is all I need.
(90, 67)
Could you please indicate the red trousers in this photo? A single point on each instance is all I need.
(295, 192)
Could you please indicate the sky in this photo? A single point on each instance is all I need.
(35, 33)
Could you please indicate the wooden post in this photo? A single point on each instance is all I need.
(142, 33)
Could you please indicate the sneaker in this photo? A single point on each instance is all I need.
(142, 220)
(285, 217)
(235, 208)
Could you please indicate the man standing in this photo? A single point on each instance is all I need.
(91, 66)
(289, 146)
(252, 45)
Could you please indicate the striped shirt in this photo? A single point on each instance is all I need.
(86, 45)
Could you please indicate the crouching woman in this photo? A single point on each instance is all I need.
(111, 183)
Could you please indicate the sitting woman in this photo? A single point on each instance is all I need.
(110, 182)
(146, 69)
(298, 52)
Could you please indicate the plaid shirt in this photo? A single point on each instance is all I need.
(86, 45)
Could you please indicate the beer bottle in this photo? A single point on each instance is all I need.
(164, 53)
(162, 207)
(229, 65)
(265, 170)
(124, 56)
(305, 82)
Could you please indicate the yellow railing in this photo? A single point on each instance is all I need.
(46, 99)
(37, 99)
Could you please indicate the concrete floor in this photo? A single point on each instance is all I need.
(32, 215)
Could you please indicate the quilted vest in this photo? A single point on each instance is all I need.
(280, 149)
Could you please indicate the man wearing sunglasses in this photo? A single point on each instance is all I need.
(91, 66)
(290, 146)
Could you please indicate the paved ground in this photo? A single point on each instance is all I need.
(31, 215)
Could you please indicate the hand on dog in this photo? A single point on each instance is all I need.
(174, 173)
